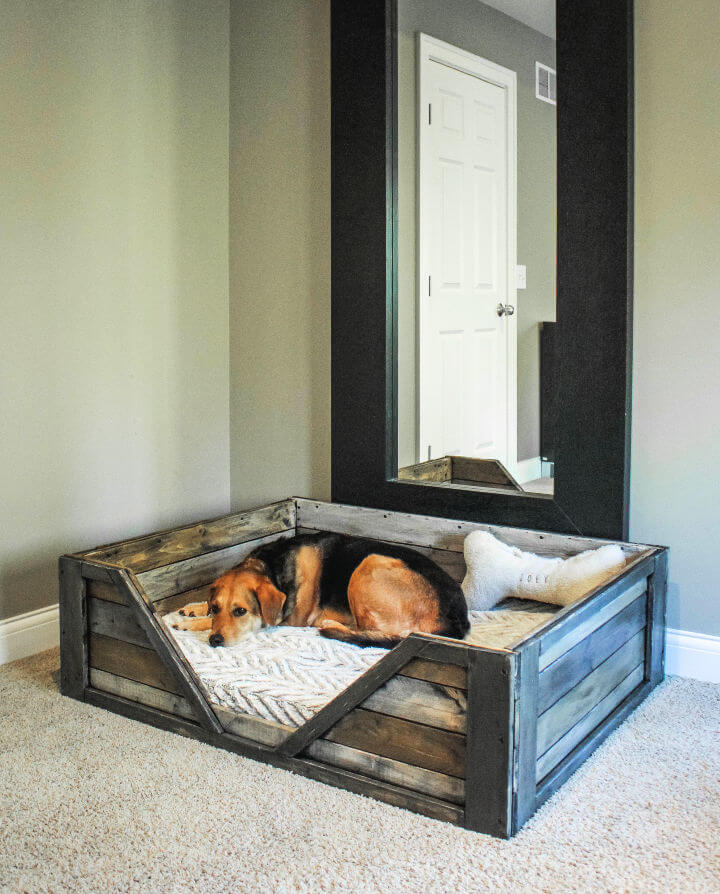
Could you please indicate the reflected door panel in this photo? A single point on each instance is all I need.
(463, 356)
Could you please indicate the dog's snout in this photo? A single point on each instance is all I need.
(217, 639)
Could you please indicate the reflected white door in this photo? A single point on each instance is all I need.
(466, 219)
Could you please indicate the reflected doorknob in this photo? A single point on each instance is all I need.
(505, 309)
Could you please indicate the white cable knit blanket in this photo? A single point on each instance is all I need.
(287, 674)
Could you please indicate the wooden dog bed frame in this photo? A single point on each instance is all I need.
(474, 736)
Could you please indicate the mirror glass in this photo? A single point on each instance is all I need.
(476, 243)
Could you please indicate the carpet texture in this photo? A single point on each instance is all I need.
(90, 801)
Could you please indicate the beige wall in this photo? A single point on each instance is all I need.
(279, 249)
(676, 418)
(113, 277)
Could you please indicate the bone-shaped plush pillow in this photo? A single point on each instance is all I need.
(496, 571)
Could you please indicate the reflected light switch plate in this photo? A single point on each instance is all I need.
(520, 276)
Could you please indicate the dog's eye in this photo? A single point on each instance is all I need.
(213, 609)
(238, 611)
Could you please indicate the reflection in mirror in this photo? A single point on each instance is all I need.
(476, 243)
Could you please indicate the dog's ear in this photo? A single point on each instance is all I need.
(254, 565)
(271, 602)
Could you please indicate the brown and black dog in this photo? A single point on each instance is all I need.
(359, 591)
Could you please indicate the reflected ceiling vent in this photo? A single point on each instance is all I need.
(545, 83)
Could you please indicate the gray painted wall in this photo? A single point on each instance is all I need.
(113, 272)
(279, 250)
(675, 495)
(479, 29)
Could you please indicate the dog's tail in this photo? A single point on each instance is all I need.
(361, 637)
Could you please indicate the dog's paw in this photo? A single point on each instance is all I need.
(178, 621)
(194, 610)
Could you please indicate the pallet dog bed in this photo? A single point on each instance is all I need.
(468, 734)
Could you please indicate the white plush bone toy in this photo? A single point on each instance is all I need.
(496, 571)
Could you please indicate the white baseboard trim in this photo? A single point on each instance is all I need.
(528, 469)
(693, 655)
(28, 634)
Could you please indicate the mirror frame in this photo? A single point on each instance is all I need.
(594, 275)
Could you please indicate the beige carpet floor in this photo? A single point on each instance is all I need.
(90, 801)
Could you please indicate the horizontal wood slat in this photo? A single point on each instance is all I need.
(141, 693)
(412, 743)
(422, 702)
(383, 791)
(435, 672)
(566, 712)
(130, 661)
(200, 570)
(438, 533)
(256, 729)
(165, 547)
(587, 724)
(107, 592)
(117, 621)
(576, 622)
(564, 673)
(438, 785)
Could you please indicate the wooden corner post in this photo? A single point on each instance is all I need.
(524, 768)
(655, 629)
(73, 629)
(490, 734)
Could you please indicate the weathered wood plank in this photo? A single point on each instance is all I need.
(575, 664)
(108, 592)
(587, 724)
(141, 693)
(573, 623)
(423, 702)
(130, 661)
(256, 729)
(552, 782)
(482, 471)
(382, 791)
(73, 629)
(568, 710)
(437, 533)
(427, 782)
(199, 570)
(116, 621)
(435, 672)
(525, 738)
(657, 598)
(431, 470)
(154, 550)
(490, 742)
(402, 740)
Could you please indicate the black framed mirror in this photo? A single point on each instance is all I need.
(591, 358)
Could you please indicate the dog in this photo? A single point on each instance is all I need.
(355, 590)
